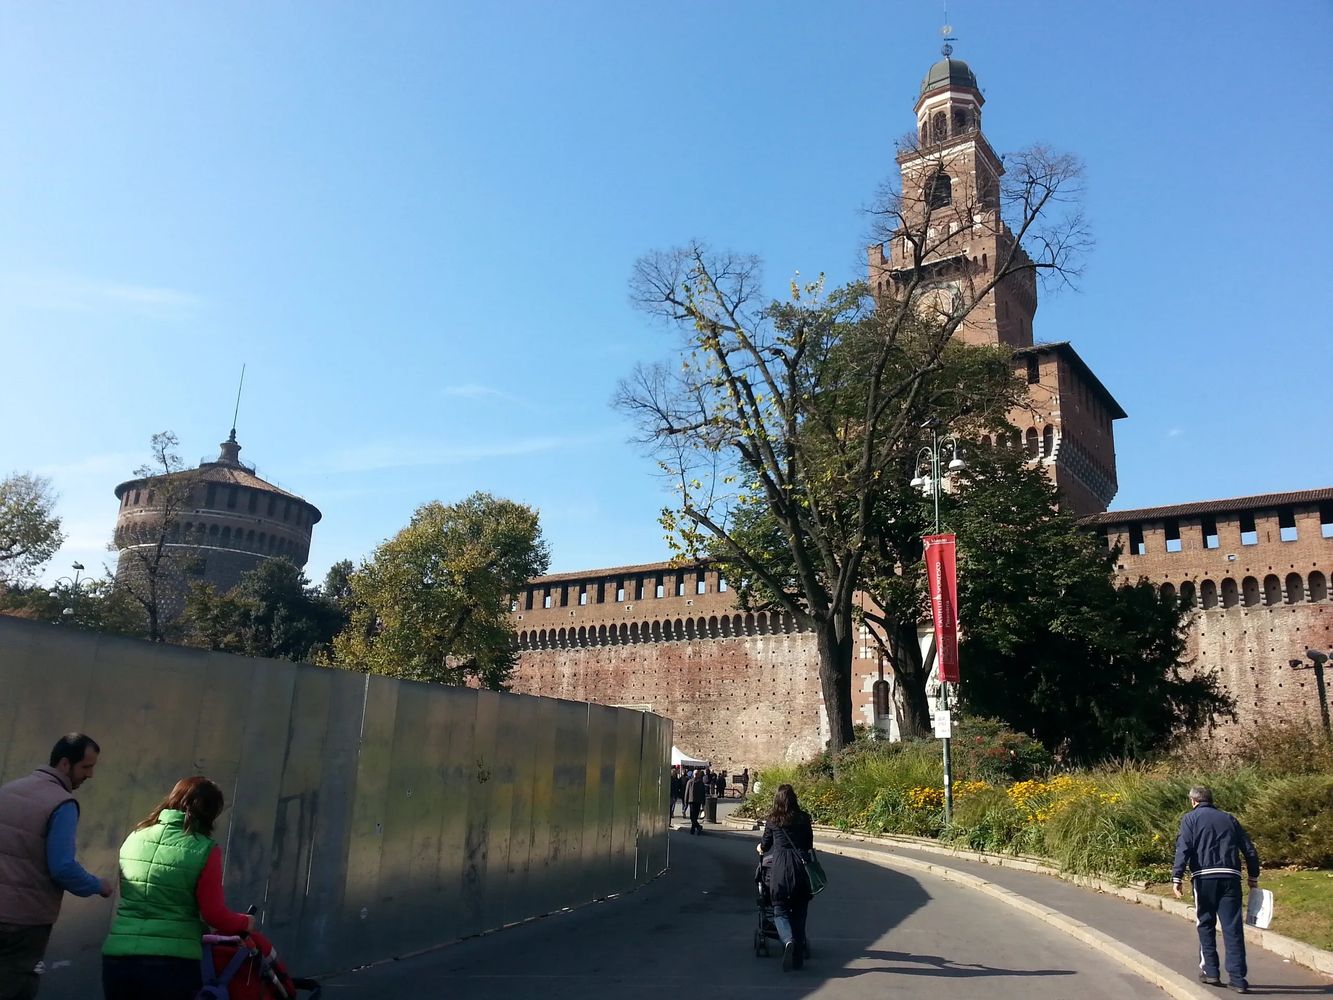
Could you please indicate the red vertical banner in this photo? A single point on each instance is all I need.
(942, 580)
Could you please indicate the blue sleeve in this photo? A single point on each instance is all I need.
(1182, 849)
(1247, 849)
(65, 871)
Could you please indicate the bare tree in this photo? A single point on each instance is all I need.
(781, 424)
(151, 569)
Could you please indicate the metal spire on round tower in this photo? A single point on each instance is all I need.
(947, 34)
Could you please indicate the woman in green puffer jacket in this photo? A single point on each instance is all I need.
(170, 895)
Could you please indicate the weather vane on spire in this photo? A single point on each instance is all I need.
(947, 34)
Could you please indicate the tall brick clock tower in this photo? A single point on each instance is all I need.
(952, 209)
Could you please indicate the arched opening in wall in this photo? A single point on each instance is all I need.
(680, 629)
(560, 639)
(925, 135)
(668, 633)
(939, 126)
(749, 624)
(602, 636)
(1318, 587)
(939, 193)
(1208, 595)
(1016, 440)
(583, 636)
(634, 632)
(213, 534)
(1295, 588)
(1048, 441)
(986, 441)
(690, 633)
(1249, 592)
(1188, 597)
(1230, 593)
(1033, 445)
(1272, 590)
(761, 623)
(1168, 592)
(961, 119)
(737, 625)
(250, 539)
(712, 627)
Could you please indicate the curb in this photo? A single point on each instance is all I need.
(1284, 947)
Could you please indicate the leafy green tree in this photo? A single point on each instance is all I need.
(29, 529)
(1051, 643)
(96, 606)
(273, 612)
(433, 602)
(805, 410)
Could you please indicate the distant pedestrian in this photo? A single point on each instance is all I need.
(1210, 844)
(744, 781)
(170, 894)
(39, 820)
(677, 792)
(788, 834)
(696, 793)
(722, 783)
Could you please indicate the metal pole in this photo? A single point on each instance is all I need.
(1323, 695)
(944, 687)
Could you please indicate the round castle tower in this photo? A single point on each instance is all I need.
(221, 520)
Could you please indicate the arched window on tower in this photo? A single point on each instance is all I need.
(1048, 441)
(939, 194)
(961, 121)
(939, 127)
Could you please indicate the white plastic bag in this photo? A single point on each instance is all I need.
(1260, 911)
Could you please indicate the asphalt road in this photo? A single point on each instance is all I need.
(874, 932)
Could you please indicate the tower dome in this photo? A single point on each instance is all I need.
(949, 73)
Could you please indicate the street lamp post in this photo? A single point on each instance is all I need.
(68, 613)
(1317, 660)
(931, 484)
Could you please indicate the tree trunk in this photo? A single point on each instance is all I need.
(834, 635)
(910, 675)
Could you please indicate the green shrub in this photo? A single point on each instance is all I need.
(1286, 748)
(988, 820)
(988, 750)
(1290, 821)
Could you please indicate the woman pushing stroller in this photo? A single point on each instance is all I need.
(170, 894)
(787, 831)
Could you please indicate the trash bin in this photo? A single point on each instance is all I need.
(712, 808)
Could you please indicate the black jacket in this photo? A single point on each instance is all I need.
(784, 848)
(1210, 845)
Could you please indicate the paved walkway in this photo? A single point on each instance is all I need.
(877, 933)
(1161, 936)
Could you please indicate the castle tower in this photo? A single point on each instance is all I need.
(217, 522)
(953, 240)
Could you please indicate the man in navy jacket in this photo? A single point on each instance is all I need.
(1210, 845)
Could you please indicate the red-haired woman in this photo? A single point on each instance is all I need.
(787, 833)
(170, 894)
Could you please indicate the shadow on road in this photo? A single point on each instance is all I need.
(691, 931)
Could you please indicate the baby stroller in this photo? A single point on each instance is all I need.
(248, 968)
(767, 929)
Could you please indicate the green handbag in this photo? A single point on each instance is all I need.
(814, 871)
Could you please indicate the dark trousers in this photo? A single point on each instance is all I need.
(150, 978)
(674, 800)
(789, 918)
(695, 825)
(1217, 900)
(21, 949)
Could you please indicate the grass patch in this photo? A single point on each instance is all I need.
(1302, 903)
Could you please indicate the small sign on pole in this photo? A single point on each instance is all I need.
(943, 724)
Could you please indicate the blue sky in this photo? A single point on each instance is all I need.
(415, 223)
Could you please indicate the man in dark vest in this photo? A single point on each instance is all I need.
(38, 822)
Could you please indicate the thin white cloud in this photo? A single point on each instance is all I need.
(1175, 432)
(387, 455)
(74, 293)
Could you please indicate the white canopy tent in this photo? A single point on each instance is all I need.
(684, 760)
